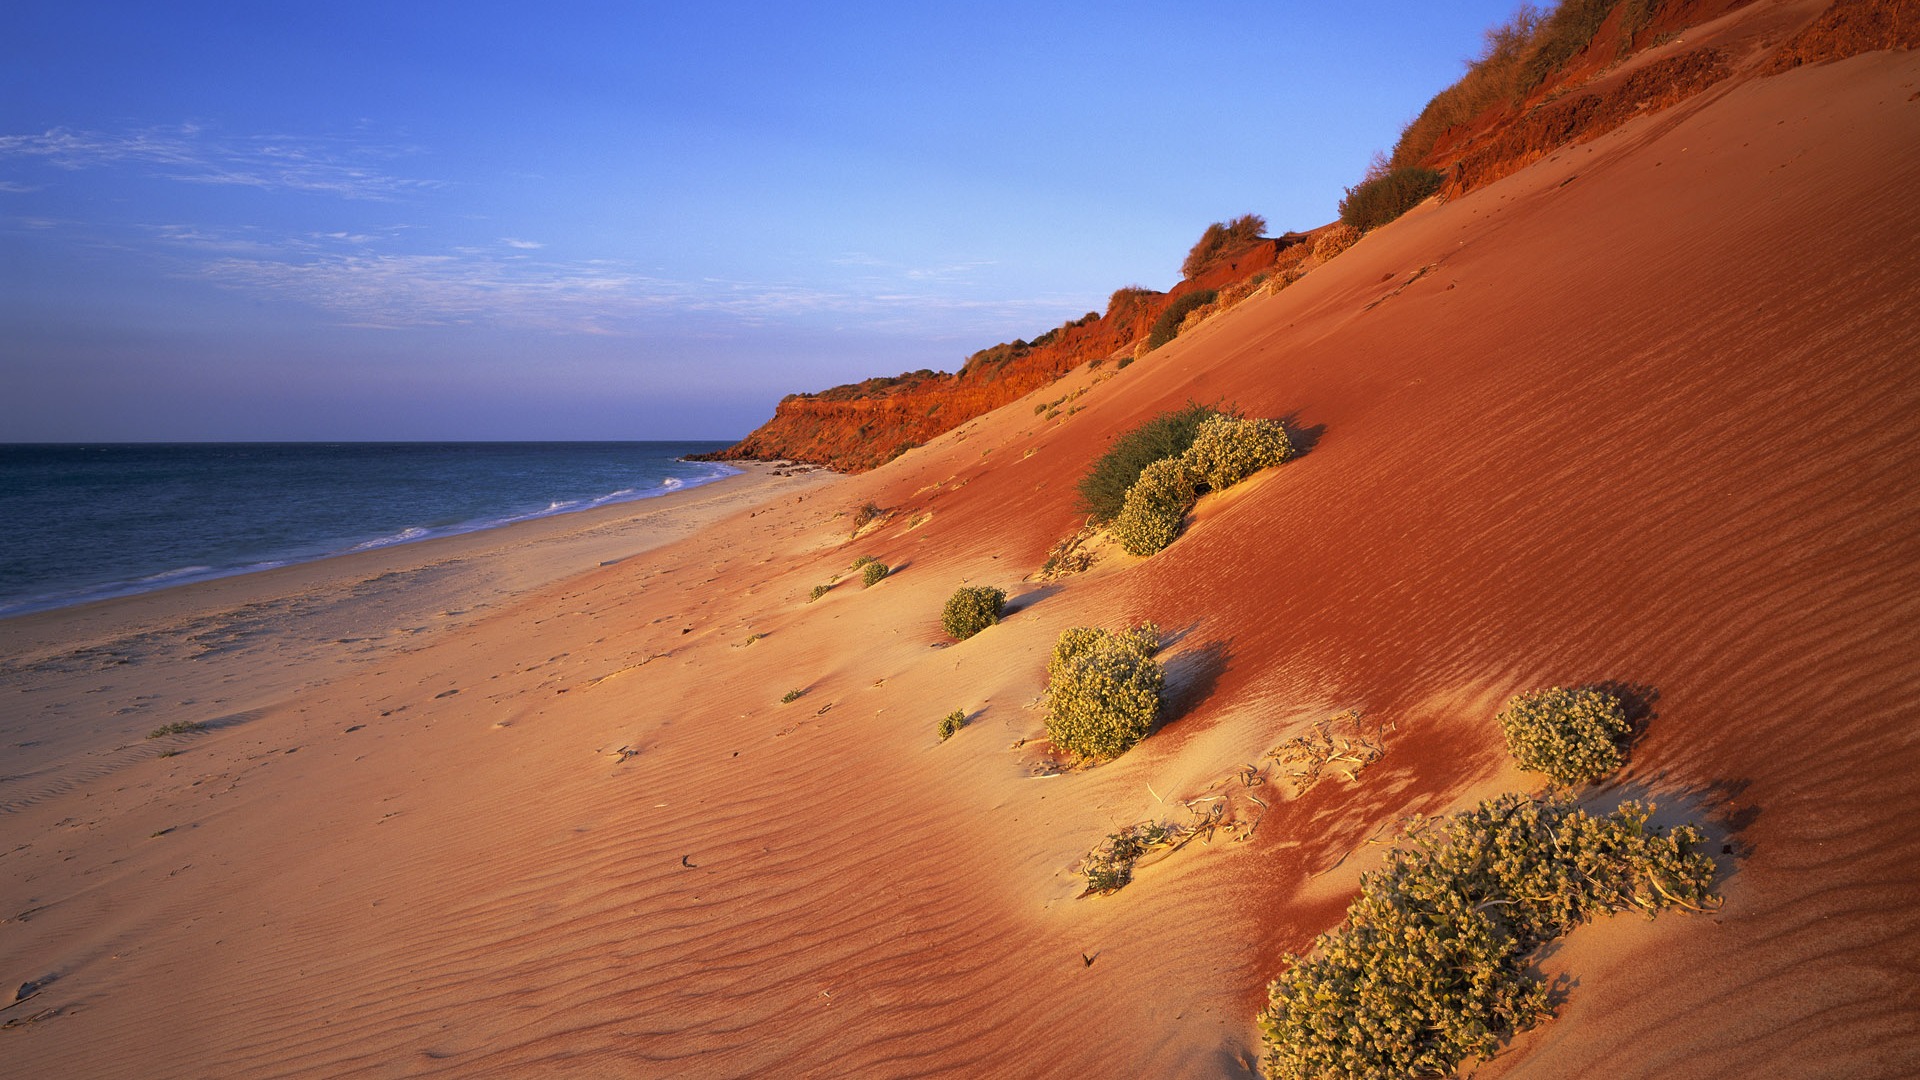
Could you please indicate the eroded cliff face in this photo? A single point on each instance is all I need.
(1681, 48)
(863, 425)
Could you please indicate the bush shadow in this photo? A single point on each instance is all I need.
(1025, 600)
(1190, 678)
(1303, 437)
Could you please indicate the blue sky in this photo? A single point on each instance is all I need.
(598, 220)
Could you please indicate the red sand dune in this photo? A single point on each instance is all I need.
(1644, 410)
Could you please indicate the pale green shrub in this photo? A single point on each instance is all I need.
(1155, 507)
(872, 573)
(1228, 449)
(971, 609)
(1573, 736)
(1430, 964)
(1103, 690)
(951, 723)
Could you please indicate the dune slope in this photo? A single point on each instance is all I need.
(1644, 410)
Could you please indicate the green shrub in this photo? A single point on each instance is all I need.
(971, 609)
(1573, 736)
(1375, 201)
(819, 591)
(1220, 238)
(1228, 449)
(871, 576)
(792, 696)
(951, 723)
(861, 561)
(1156, 506)
(1103, 490)
(1430, 964)
(1168, 324)
(1103, 690)
(178, 727)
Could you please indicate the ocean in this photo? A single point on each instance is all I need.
(86, 522)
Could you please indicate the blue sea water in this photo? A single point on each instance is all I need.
(85, 522)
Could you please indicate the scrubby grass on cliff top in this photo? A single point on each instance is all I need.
(1518, 56)
(1167, 326)
(1379, 199)
(1103, 490)
(1220, 238)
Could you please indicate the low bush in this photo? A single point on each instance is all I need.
(792, 696)
(1220, 238)
(1375, 201)
(1574, 736)
(860, 562)
(1156, 506)
(1167, 326)
(1228, 449)
(1103, 490)
(871, 575)
(819, 591)
(971, 609)
(951, 723)
(1430, 965)
(178, 727)
(1103, 690)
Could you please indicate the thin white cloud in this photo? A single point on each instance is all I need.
(467, 287)
(188, 153)
(524, 245)
(9, 187)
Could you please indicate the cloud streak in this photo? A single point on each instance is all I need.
(190, 154)
(465, 287)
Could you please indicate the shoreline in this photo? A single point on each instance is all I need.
(573, 542)
(298, 552)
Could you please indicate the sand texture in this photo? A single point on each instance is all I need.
(1647, 410)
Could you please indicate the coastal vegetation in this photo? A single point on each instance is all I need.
(1109, 866)
(1167, 326)
(1220, 239)
(1574, 736)
(1103, 490)
(1381, 197)
(1431, 964)
(971, 609)
(1163, 466)
(1103, 690)
(1155, 506)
